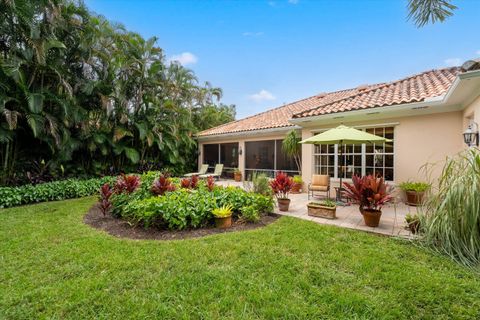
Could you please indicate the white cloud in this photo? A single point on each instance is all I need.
(478, 52)
(262, 95)
(293, 1)
(252, 34)
(452, 62)
(184, 58)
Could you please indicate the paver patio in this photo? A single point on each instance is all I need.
(392, 222)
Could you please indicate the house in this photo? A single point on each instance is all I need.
(424, 115)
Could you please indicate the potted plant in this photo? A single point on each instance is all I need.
(413, 222)
(414, 191)
(237, 175)
(281, 187)
(223, 216)
(323, 209)
(370, 193)
(297, 184)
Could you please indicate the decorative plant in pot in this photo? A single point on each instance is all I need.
(323, 209)
(223, 216)
(237, 175)
(370, 193)
(414, 191)
(297, 184)
(413, 221)
(281, 187)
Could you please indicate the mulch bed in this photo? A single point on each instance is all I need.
(121, 229)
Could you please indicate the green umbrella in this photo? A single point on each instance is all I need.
(343, 135)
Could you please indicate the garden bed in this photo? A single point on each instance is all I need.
(122, 229)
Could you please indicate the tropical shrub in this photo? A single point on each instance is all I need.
(51, 191)
(281, 185)
(260, 184)
(450, 220)
(250, 213)
(181, 208)
(162, 185)
(185, 183)
(369, 192)
(297, 179)
(127, 183)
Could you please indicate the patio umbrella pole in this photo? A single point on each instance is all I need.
(339, 196)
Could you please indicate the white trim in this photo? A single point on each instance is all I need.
(363, 126)
(248, 133)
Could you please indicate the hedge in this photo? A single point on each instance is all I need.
(50, 191)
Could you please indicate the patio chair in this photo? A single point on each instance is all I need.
(320, 183)
(203, 170)
(217, 172)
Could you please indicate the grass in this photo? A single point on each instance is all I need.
(54, 266)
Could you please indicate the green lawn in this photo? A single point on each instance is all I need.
(54, 266)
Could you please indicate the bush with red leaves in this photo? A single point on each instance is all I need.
(185, 183)
(370, 192)
(162, 185)
(281, 185)
(210, 183)
(105, 194)
(194, 182)
(127, 184)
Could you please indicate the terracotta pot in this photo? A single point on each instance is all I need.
(223, 223)
(371, 217)
(283, 204)
(414, 198)
(237, 176)
(296, 188)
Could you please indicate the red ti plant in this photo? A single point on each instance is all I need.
(194, 182)
(185, 183)
(281, 185)
(105, 194)
(369, 192)
(127, 184)
(162, 185)
(210, 183)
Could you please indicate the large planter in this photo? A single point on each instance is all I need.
(414, 198)
(317, 210)
(296, 188)
(371, 217)
(283, 204)
(237, 176)
(223, 223)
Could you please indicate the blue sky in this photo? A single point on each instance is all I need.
(266, 53)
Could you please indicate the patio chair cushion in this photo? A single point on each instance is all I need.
(318, 188)
(320, 180)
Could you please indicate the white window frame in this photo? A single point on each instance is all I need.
(363, 153)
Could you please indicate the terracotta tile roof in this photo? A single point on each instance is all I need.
(278, 117)
(415, 88)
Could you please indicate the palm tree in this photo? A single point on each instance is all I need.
(429, 11)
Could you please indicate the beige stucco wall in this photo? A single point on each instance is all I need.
(472, 112)
(418, 140)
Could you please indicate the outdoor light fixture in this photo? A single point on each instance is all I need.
(239, 151)
(470, 136)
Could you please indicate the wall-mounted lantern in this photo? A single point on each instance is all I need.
(470, 136)
(239, 151)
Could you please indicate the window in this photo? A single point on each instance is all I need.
(268, 156)
(362, 159)
(210, 154)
